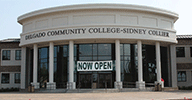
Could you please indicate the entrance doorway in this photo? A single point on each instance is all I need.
(85, 80)
(105, 81)
(95, 80)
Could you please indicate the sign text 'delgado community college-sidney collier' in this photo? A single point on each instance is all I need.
(114, 30)
(94, 66)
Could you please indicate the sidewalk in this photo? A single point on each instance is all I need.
(98, 96)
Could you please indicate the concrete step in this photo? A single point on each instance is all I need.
(51, 91)
(93, 91)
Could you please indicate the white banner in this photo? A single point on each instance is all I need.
(94, 65)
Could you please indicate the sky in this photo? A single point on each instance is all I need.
(10, 10)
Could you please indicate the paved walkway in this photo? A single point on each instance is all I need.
(98, 96)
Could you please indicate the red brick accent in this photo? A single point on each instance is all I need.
(184, 66)
(184, 42)
(10, 68)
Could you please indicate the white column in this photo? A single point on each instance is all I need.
(71, 83)
(51, 84)
(35, 57)
(140, 83)
(118, 83)
(158, 61)
(173, 65)
(23, 66)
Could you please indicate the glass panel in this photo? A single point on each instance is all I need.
(103, 58)
(17, 77)
(181, 76)
(149, 63)
(5, 78)
(122, 66)
(6, 55)
(127, 58)
(121, 49)
(18, 55)
(43, 68)
(75, 50)
(94, 49)
(104, 49)
(180, 51)
(95, 58)
(65, 51)
(61, 66)
(126, 49)
(85, 80)
(85, 58)
(127, 66)
(85, 49)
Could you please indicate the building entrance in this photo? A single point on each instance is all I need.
(95, 80)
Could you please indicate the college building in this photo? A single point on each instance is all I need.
(97, 46)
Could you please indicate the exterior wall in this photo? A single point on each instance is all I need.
(11, 66)
(76, 24)
(61, 18)
(185, 63)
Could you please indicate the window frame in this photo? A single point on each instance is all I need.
(7, 54)
(185, 78)
(177, 53)
(17, 57)
(15, 78)
(2, 78)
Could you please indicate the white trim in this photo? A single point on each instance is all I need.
(11, 80)
(12, 61)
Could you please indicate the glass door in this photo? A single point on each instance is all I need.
(105, 80)
(85, 80)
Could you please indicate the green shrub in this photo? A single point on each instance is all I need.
(185, 88)
(9, 89)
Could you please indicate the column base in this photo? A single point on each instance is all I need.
(140, 85)
(118, 85)
(36, 85)
(161, 83)
(51, 86)
(71, 85)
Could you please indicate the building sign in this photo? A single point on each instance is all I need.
(94, 65)
(97, 30)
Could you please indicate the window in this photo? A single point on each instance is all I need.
(6, 54)
(181, 76)
(17, 77)
(180, 51)
(5, 78)
(18, 55)
(191, 51)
